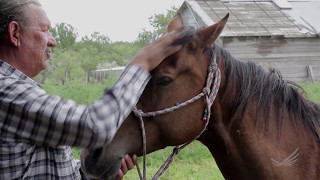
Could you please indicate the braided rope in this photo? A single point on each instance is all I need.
(171, 109)
(210, 92)
(144, 141)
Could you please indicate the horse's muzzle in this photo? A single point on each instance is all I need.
(93, 167)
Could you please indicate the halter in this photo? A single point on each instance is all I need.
(209, 91)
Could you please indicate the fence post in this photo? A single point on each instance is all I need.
(87, 77)
(310, 73)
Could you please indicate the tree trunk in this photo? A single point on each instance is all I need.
(87, 77)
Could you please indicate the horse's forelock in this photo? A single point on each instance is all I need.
(188, 32)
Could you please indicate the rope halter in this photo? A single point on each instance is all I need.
(210, 92)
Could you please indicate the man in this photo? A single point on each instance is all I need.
(36, 129)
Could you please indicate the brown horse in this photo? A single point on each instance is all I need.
(261, 127)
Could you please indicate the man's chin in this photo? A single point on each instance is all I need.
(45, 64)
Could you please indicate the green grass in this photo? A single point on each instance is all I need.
(193, 162)
(312, 91)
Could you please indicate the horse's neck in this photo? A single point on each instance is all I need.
(247, 149)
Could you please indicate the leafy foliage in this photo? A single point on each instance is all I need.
(146, 37)
(65, 35)
(159, 22)
(74, 60)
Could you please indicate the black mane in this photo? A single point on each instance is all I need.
(253, 83)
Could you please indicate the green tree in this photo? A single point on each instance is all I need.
(96, 40)
(75, 60)
(65, 67)
(159, 22)
(60, 66)
(122, 52)
(146, 37)
(65, 36)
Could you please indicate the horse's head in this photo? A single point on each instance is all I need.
(177, 79)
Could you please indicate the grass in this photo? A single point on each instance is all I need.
(193, 162)
(312, 91)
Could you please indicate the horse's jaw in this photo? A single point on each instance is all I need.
(96, 168)
(105, 162)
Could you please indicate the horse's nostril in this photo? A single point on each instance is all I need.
(96, 153)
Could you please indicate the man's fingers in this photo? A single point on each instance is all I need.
(171, 37)
(123, 169)
(129, 162)
(120, 175)
(124, 166)
(168, 43)
(152, 55)
(135, 159)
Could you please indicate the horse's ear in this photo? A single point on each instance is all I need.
(175, 23)
(210, 34)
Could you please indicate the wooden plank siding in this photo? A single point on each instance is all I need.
(252, 18)
(262, 32)
(290, 56)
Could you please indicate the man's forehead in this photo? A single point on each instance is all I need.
(36, 14)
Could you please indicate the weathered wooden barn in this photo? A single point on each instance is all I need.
(277, 33)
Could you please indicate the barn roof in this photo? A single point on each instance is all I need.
(293, 19)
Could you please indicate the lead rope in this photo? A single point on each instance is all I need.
(144, 145)
(210, 92)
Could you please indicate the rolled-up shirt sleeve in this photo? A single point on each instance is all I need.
(28, 113)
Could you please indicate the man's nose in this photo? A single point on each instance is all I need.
(52, 42)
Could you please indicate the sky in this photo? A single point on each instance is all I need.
(120, 20)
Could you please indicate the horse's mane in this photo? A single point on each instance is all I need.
(255, 84)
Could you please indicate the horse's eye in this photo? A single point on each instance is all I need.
(164, 80)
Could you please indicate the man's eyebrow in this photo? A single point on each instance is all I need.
(46, 25)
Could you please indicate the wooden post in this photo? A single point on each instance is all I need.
(87, 77)
(310, 73)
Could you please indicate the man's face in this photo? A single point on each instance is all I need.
(36, 40)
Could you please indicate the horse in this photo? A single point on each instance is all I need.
(261, 126)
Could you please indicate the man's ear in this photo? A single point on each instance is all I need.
(14, 31)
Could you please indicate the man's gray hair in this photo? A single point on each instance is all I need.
(12, 10)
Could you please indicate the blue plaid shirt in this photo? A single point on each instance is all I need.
(36, 129)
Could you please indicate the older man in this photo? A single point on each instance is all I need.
(36, 129)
